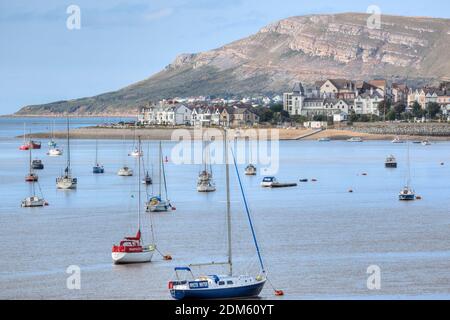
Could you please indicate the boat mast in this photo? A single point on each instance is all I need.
(408, 181)
(227, 175)
(159, 168)
(139, 186)
(96, 152)
(30, 163)
(68, 148)
(164, 177)
(248, 215)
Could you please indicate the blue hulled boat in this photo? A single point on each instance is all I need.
(222, 286)
(97, 168)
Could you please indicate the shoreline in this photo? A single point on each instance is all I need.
(267, 134)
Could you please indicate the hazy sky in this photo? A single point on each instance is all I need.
(121, 42)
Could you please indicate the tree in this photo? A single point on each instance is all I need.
(391, 115)
(417, 110)
(384, 107)
(399, 108)
(278, 107)
(433, 109)
(353, 116)
(265, 114)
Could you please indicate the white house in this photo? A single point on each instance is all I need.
(165, 114)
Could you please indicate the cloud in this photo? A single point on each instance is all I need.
(159, 14)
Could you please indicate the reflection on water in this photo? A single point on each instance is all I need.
(317, 239)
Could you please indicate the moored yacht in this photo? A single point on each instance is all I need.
(390, 162)
(66, 181)
(355, 139)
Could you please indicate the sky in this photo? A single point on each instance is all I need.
(120, 42)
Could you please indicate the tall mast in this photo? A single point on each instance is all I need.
(408, 181)
(139, 185)
(96, 152)
(159, 168)
(68, 146)
(31, 167)
(227, 174)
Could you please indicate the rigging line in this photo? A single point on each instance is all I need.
(248, 213)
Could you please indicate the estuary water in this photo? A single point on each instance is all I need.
(317, 239)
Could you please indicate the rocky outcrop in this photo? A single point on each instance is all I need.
(306, 48)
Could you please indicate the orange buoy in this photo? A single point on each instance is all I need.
(167, 257)
(173, 208)
(279, 293)
(418, 197)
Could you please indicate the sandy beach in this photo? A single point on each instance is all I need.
(261, 133)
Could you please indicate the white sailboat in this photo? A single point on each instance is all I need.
(137, 151)
(159, 203)
(227, 286)
(250, 169)
(205, 181)
(407, 193)
(66, 181)
(133, 249)
(97, 168)
(125, 171)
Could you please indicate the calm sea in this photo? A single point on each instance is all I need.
(317, 239)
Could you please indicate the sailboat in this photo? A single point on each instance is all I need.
(147, 178)
(33, 200)
(137, 151)
(66, 181)
(25, 146)
(132, 249)
(158, 203)
(125, 171)
(32, 176)
(407, 193)
(54, 152)
(52, 143)
(250, 170)
(97, 168)
(222, 286)
(205, 181)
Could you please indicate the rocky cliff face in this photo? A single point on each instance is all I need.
(306, 48)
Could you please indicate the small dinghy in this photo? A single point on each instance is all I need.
(303, 180)
(397, 140)
(355, 139)
(250, 170)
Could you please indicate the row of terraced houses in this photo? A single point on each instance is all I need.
(342, 96)
(173, 113)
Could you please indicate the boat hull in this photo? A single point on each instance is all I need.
(132, 257)
(406, 197)
(66, 183)
(248, 291)
(390, 165)
(98, 170)
(202, 188)
(29, 203)
(163, 206)
(125, 173)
